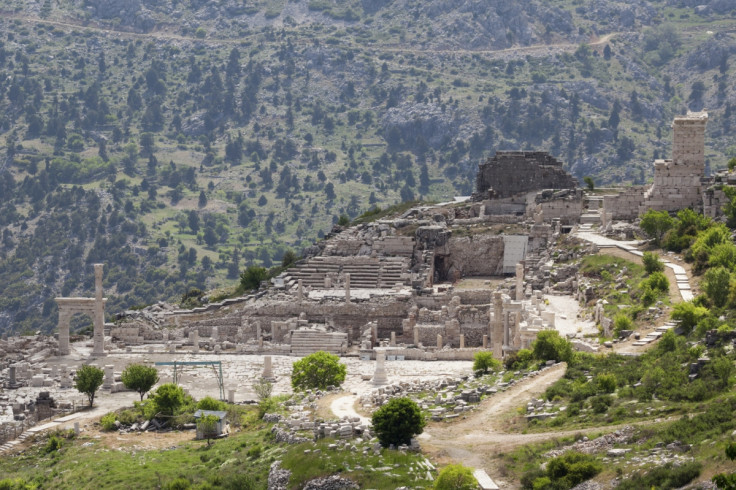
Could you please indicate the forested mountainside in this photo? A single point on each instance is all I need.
(179, 141)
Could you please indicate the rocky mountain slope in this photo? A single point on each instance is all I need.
(179, 141)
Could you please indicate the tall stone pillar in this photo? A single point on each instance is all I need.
(379, 376)
(267, 368)
(194, 336)
(64, 318)
(99, 317)
(416, 336)
(347, 288)
(393, 339)
(11, 376)
(439, 341)
(497, 325)
(519, 281)
(462, 340)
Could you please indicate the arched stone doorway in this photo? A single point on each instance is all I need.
(94, 307)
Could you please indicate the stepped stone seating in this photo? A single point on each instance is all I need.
(309, 341)
(365, 272)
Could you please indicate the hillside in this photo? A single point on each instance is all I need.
(178, 142)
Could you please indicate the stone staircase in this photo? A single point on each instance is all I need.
(305, 342)
(658, 332)
(365, 272)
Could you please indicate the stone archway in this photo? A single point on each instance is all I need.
(94, 307)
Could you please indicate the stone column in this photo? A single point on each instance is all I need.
(497, 325)
(194, 336)
(267, 368)
(347, 288)
(462, 340)
(231, 396)
(439, 341)
(11, 376)
(99, 317)
(519, 281)
(485, 341)
(393, 339)
(109, 377)
(64, 318)
(416, 335)
(379, 376)
(76, 428)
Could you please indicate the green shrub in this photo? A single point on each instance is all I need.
(168, 398)
(318, 370)
(140, 378)
(606, 382)
(178, 484)
(398, 421)
(563, 472)
(16, 484)
(716, 285)
(483, 361)
(656, 281)
(663, 477)
(108, 421)
(688, 314)
(652, 263)
(656, 223)
(622, 322)
(456, 477)
(549, 345)
(209, 403)
(254, 452)
(600, 403)
(252, 277)
(53, 444)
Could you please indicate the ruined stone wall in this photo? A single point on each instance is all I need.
(713, 201)
(567, 207)
(625, 205)
(479, 255)
(514, 172)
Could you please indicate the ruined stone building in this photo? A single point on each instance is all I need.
(679, 183)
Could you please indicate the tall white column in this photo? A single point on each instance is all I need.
(99, 317)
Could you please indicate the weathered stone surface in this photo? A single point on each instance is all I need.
(514, 172)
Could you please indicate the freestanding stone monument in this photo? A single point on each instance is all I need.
(94, 307)
(379, 377)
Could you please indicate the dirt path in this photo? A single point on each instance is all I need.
(477, 438)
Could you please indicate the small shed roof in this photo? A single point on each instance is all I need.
(217, 413)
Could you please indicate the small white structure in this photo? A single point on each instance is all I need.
(221, 416)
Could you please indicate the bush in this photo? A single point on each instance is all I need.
(252, 277)
(168, 398)
(140, 378)
(207, 426)
(606, 382)
(563, 472)
(53, 444)
(716, 285)
(550, 346)
(398, 421)
(656, 223)
(657, 281)
(108, 421)
(484, 361)
(600, 403)
(209, 403)
(663, 477)
(456, 477)
(318, 370)
(688, 314)
(622, 322)
(652, 262)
